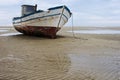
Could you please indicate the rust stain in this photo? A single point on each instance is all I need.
(38, 30)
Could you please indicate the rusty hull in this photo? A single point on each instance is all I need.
(38, 30)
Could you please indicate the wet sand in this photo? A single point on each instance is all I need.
(86, 57)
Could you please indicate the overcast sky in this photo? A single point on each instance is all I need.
(85, 12)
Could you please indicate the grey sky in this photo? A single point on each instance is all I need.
(85, 12)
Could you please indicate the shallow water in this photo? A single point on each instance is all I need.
(95, 67)
(97, 31)
(3, 30)
(10, 34)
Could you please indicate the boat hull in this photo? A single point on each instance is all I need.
(47, 31)
(46, 23)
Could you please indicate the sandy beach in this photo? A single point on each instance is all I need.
(86, 57)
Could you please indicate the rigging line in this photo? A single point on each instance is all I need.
(74, 36)
(73, 28)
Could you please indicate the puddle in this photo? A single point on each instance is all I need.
(97, 31)
(10, 34)
(3, 30)
(101, 67)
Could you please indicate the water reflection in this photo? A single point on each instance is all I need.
(3, 30)
(10, 34)
(94, 67)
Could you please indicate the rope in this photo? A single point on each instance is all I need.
(73, 28)
(74, 36)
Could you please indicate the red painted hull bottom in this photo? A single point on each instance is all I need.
(38, 30)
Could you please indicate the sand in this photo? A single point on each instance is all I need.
(86, 57)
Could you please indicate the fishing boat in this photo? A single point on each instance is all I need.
(40, 22)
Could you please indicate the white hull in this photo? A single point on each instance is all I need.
(46, 18)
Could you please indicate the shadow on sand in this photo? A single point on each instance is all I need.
(19, 36)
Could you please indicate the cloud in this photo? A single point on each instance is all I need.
(87, 19)
(4, 18)
(114, 3)
(104, 23)
(7, 14)
(67, 1)
(10, 2)
(117, 12)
